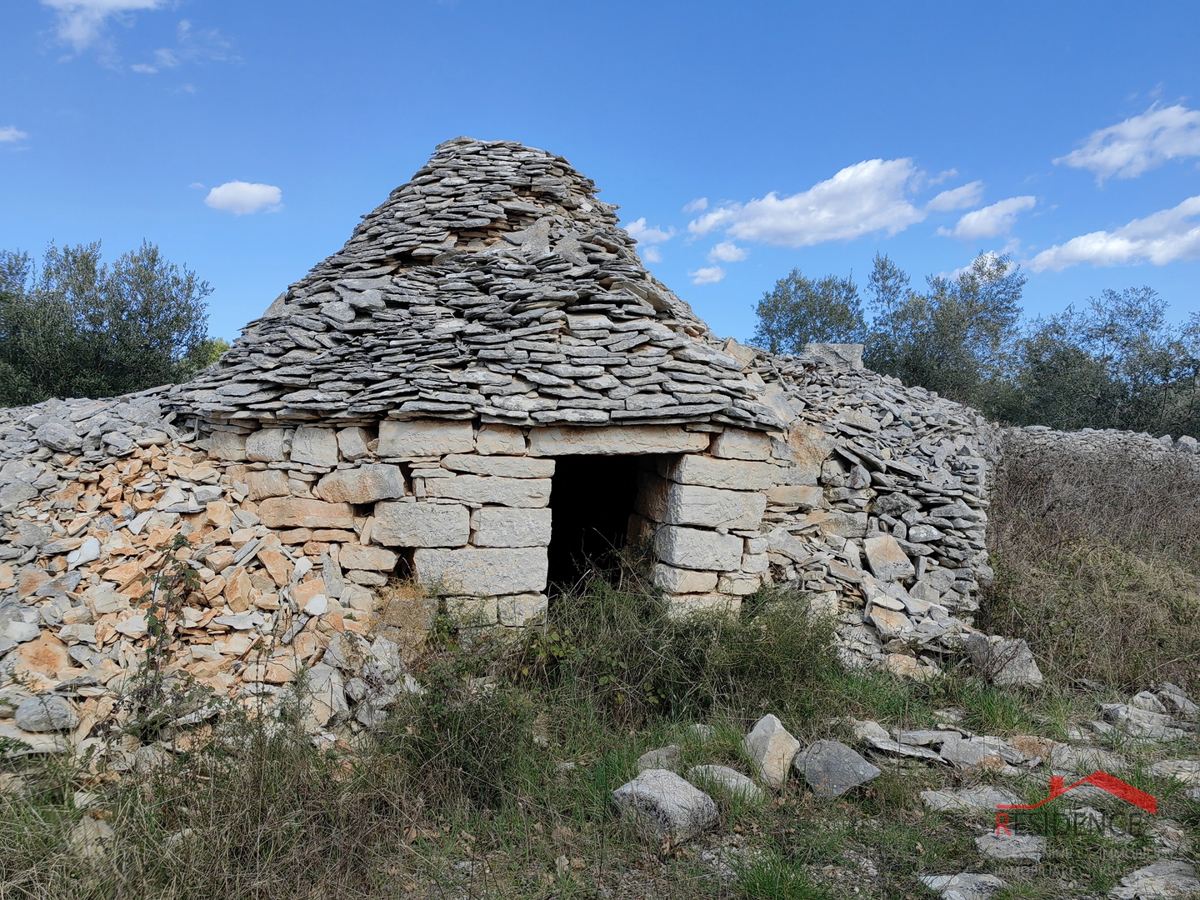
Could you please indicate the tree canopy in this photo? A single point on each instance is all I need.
(75, 326)
(1113, 362)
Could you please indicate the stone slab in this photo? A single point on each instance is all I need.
(731, 474)
(692, 548)
(483, 572)
(421, 524)
(497, 526)
(298, 512)
(515, 492)
(365, 484)
(735, 443)
(689, 504)
(615, 440)
(424, 437)
(508, 466)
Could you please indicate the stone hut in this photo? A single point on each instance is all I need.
(485, 385)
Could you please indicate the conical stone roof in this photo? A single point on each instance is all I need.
(493, 284)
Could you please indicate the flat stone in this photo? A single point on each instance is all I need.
(1018, 848)
(352, 443)
(830, 768)
(45, 713)
(375, 559)
(730, 474)
(665, 806)
(1141, 723)
(795, 496)
(886, 560)
(615, 440)
(1185, 770)
(227, 445)
(424, 437)
(739, 444)
(1003, 661)
(516, 492)
(772, 749)
(298, 512)
(421, 525)
(692, 548)
(504, 439)
(662, 758)
(683, 581)
(969, 800)
(495, 526)
(365, 484)
(507, 466)
(267, 483)
(521, 610)
(483, 573)
(323, 697)
(315, 446)
(727, 781)
(688, 504)
(964, 886)
(1167, 878)
(268, 445)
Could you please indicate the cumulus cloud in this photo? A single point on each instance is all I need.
(727, 251)
(991, 221)
(868, 196)
(1129, 148)
(241, 197)
(707, 275)
(648, 234)
(1163, 237)
(10, 134)
(81, 22)
(957, 198)
(652, 255)
(700, 204)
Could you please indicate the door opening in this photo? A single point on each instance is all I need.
(591, 498)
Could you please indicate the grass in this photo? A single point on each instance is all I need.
(497, 781)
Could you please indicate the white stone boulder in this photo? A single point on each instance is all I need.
(1005, 662)
(772, 749)
(665, 806)
(830, 768)
(1167, 878)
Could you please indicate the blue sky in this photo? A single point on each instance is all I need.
(245, 138)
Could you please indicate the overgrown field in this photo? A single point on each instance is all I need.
(497, 781)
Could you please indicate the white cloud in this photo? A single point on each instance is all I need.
(652, 255)
(957, 198)
(1143, 142)
(11, 134)
(727, 251)
(944, 175)
(700, 204)
(648, 234)
(991, 221)
(81, 22)
(1163, 237)
(707, 275)
(205, 45)
(862, 198)
(241, 197)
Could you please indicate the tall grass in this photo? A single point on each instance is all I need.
(1098, 562)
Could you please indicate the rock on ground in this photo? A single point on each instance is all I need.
(46, 713)
(975, 800)
(831, 768)
(964, 886)
(728, 780)
(1021, 848)
(772, 748)
(1167, 878)
(665, 805)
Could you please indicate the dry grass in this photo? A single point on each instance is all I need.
(1098, 562)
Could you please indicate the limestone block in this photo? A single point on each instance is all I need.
(473, 610)
(519, 610)
(683, 581)
(738, 444)
(497, 526)
(728, 781)
(890, 623)
(315, 446)
(844, 524)
(740, 583)
(483, 572)
(500, 439)
(691, 548)
(297, 512)
(772, 749)
(810, 447)
(689, 504)
(665, 806)
(795, 496)
(886, 560)
(651, 500)
(268, 483)
(227, 445)
(518, 492)
(352, 443)
(374, 559)
(421, 524)
(830, 768)
(366, 484)
(507, 466)
(424, 437)
(616, 440)
(755, 563)
(269, 445)
(731, 474)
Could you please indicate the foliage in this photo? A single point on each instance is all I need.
(1114, 362)
(78, 327)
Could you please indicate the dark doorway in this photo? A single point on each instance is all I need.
(591, 499)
